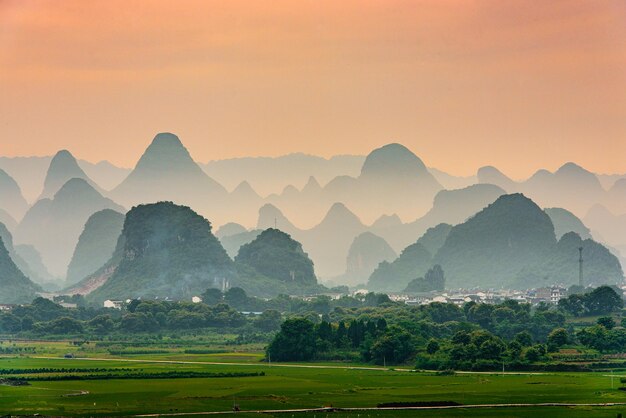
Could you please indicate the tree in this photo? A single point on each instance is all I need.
(394, 346)
(64, 325)
(607, 322)
(574, 304)
(10, 323)
(133, 305)
(294, 342)
(514, 350)
(532, 354)
(491, 349)
(557, 338)
(603, 300)
(101, 324)
(236, 297)
(269, 320)
(524, 338)
(432, 346)
(212, 296)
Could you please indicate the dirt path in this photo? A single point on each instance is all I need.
(301, 366)
(406, 408)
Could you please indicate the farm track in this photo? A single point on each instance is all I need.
(405, 408)
(301, 366)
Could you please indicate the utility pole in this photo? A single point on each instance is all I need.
(580, 267)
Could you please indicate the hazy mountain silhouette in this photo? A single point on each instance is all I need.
(607, 227)
(449, 181)
(7, 220)
(95, 245)
(30, 173)
(53, 226)
(565, 221)
(269, 175)
(491, 175)
(492, 247)
(20, 262)
(365, 254)
(11, 199)
(512, 243)
(165, 250)
(166, 172)
(392, 179)
(561, 266)
(232, 243)
(570, 187)
(302, 206)
(34, 268)
(104, 173)
(229, 229)
(412, 263)
(449, 206)
(387, 221)
(608, 180)
(328, 243)
(16, 287)
(616, 196)
(63, 167)
(245, 203)
(394, 276)
(271, 217)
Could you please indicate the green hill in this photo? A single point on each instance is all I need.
(512, 243)
(165, 250)
(413, 262)
(276, 255)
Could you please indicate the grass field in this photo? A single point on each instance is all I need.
(288, 387)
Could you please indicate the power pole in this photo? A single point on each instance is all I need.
(580, 267)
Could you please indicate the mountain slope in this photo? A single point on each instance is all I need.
(53, 226)
(16, 287)
(166, 172)
(277, 256)
(11, 199)
(165, 250)
(366, 252)
(495, 244)
(561, 266)
(565, 221)
(512, 244)
(63, 167)
(95, 245)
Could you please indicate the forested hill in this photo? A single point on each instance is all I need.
(166, 250)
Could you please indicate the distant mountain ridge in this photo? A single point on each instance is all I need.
(11, 199)
(63, 167)
(53, 226)
(16, 287)
(95, 245)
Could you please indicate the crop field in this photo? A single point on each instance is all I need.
(166, 383)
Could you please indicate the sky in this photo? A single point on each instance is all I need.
(520, 85)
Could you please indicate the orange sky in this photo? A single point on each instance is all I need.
(517, 84)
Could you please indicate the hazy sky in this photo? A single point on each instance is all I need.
(517, 84)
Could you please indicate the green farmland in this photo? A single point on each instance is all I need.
(279, 386)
